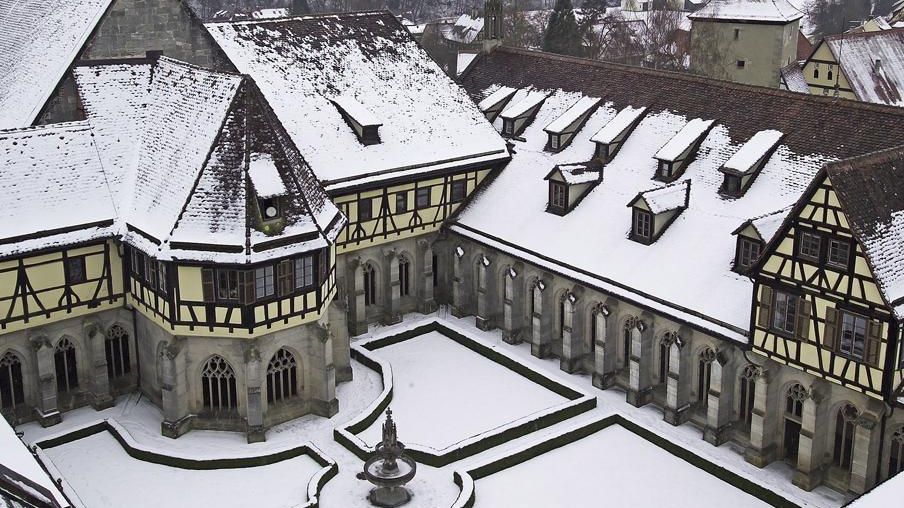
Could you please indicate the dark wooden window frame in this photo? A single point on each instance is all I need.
(365, 209)
(558, 197)
(422, 198)
(401, 205)
(78, 275)
(458, 191)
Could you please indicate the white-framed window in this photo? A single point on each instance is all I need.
(748, 252)
(852, 339)
(643, 224)
(558, 195)
(554, 141)
(263, 281)
(508, 127)
(808, 245)
(227, 285)
(304, 271)
(839, 252)
(784, 315)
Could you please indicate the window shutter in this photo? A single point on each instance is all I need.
(873, 341)
(284, 277)
(803, 319)
(830, 334)
(207, 284)
(763, 320)
(246, 286)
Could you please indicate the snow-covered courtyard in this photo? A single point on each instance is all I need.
(444, 392)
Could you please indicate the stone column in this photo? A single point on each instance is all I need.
(605, 352)
(322, 388)
(483, 318)
(338, 328)
(357, 315)
(253, 386)
(640, 389)
(718, 408)
(572, 340)
(677, 398)
(426, 302)
(393, 293)
(540, 344)
(46, 409)
(864, 460)
(458, 282)
(174, 390)
(99, 383)
(810, 452)
(765, 417)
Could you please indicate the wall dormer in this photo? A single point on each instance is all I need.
(269, 189)
(364, 124)
(610, 138)
(518, 116)
(743, 167)
(654, 210)
(569, 184)
(675, 155)
(494, 103)
(752, 237)
(562, 130)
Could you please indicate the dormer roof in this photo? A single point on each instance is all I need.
(531, 100)
(356, 111)
(748, 157)
(576, 173)
(664, 199)
(265, 177)
(618, 125)
(572, 115)
(502, 94)
(687, 137)
(765, 225)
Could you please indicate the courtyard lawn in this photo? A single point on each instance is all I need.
(613, 467)
(103, 475)
(444, 393)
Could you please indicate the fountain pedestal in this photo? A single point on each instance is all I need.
(389, 469)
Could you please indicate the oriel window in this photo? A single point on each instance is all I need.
(263, 282)
(304, 271)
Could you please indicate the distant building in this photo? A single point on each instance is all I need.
(746, 41)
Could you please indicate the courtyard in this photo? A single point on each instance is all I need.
(453, 388)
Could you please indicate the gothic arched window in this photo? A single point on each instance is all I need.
(370, 285)
(844, 435)
(404, 276)
(748, 393)
(794, 400)
(705, 375)
(117, 349)
(282, 376)
(896, 455)
(218, 384)
(665, 346)
(626, 346)
(66, 367)
(11, 386)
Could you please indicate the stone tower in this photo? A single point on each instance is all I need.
(492, 25)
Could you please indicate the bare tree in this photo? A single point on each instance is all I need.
(665, 45)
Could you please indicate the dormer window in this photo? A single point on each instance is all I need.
(743, 167)
(675, 155)
(654, 210)
(268, 186)
(494, 103)
(563, 129)
(748, 253)
(752, 237)
(569, 184)
(612, 136)
(518, 116)
(363, 123)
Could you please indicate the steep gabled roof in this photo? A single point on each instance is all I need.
(39, 39)
(873, 63)
(302, 63)
(765, 11)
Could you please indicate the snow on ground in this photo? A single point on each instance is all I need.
(445, 393)
(83, 462)
(432, 487)
(613, 460)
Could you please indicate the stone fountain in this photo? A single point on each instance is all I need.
(389, 469)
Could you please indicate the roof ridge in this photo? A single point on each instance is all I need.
(860, 35)
(854, 163)
(319, 15)
(837, 101)
(46, 127)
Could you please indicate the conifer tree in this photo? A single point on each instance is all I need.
(562, 33)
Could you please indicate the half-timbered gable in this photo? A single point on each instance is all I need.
(328, 76)
(827, 287)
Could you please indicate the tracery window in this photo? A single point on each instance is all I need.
(748, 394)
(704, 375)
(218, 388)
(404, 276)
(370, 285)
(117, 350)
(626, 338)
(794, 400)
(66, 367)
(664, 353)
(896, 455)
(12, 391)
(282, 376)
(845, 422)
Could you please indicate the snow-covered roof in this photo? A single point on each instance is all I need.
(270, 13)
(886, 494)
(465, 29)
(793, 78)
(51, 181)
(873, 63)
(615, 127)
(687, 273)
(766, 225)
(356, 111)
(769, 11)
(570, 116)
(299, 63)
(27, 474)
(463, 60)
(502, 93)
(688, 136)
(39, 39)
(757, 147)
(161, 161)
(667, 198)
(525, 103)
(575, 174)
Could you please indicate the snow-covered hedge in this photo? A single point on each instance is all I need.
(465, 478)
(139, 451)
(347, 435)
